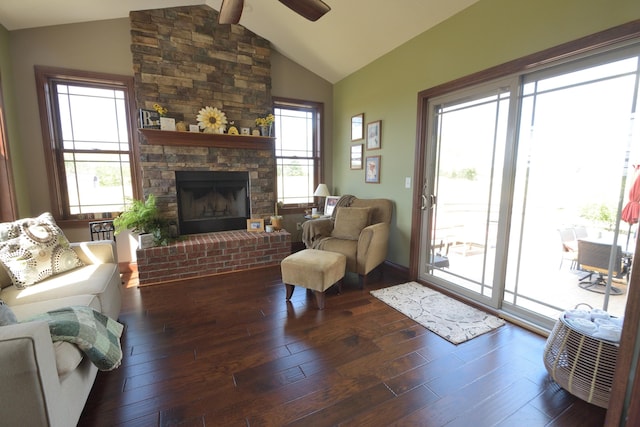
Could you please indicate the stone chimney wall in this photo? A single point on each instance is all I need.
(184, 61)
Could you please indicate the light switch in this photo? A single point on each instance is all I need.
(407, 182)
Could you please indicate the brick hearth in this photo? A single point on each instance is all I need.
(212, 253)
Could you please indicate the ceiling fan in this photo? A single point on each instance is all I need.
(231, 10)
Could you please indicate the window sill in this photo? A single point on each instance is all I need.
(77, 223)
(294, 210)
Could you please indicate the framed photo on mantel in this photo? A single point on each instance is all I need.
(255, 225)
(149, 119)
(330, 205)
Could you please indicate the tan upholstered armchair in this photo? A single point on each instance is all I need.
(359, 229)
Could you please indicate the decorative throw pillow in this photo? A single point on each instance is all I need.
(350, 222)
(7, 317)
(5, 279)
(33, 249)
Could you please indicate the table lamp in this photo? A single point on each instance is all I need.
(321, 191)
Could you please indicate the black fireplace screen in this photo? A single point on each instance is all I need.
(212, 201)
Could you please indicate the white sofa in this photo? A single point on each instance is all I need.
(44, 383)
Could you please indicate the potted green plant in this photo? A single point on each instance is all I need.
(143, 217)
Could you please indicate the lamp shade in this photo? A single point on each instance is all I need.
(322, 191)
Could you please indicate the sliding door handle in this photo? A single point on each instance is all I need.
(428, 202)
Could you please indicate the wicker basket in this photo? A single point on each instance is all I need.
(581, 364)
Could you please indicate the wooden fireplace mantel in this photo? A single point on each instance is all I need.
(193, 139)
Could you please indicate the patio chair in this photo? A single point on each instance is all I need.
(580, 232)
(569, 247)
(594, 258)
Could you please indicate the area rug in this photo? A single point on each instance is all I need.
(451, 319)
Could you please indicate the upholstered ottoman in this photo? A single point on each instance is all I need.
(315, 270)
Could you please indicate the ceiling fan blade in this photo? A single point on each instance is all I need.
(230, 11)
(310, 9)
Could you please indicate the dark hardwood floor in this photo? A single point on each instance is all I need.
(229, 351)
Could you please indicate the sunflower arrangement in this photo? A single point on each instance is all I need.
(265, 121)
(212, 120)
(160, 109)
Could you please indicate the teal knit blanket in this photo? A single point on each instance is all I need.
(97, 335)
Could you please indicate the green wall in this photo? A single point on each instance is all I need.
(486, 34)
(10, 115)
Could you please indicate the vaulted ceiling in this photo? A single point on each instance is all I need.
(353, 34)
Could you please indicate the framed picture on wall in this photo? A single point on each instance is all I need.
(355, 159)
(374, 135)
(372, 173)
(357, 127)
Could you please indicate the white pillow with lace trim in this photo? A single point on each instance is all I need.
(33, 249)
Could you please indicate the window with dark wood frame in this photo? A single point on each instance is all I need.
(87, 122)
(298, 151)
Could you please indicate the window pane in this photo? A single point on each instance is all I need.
(94, 119)
(295, 133)
(589, 74)
(295, 180)
(577, 187)
(472, 141)
(65, 119)
(92, 91)
(121, 120)
(97, 182)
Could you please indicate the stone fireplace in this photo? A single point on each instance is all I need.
(184, 61)
(174, 154)
(167, 155)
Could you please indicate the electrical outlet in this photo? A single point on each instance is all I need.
(299, 226)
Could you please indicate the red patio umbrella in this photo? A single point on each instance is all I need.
(631, 211)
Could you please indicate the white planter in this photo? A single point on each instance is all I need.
(145, 241)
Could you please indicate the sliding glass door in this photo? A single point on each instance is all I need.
(462, 196)
(522, 172)
(572, 170)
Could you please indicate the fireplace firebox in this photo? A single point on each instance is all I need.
(212, 201)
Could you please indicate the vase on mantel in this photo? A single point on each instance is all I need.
(266, 130)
